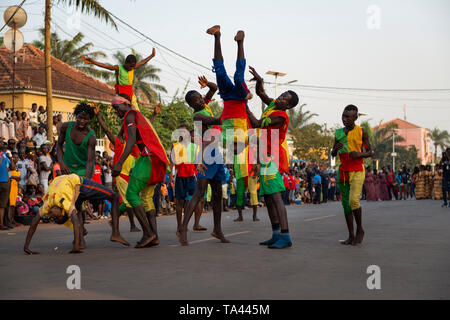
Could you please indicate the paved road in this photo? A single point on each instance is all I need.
(408, 240)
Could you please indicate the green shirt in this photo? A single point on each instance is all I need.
(76, 156)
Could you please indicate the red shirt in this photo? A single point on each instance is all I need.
(286, 181)
(292, 186)
(97, 177)
(185, 170)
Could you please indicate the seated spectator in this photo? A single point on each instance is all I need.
(22, 208)
(15, 178)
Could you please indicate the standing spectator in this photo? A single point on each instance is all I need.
(33, 165)
(325, 182)
(41, 136)
(382, 179)
(107, 173)
(97, 177)
(437, 182)
(291, 187)
(233, 196)
(286, 191)
(390, 183)
(445, 162)
(55, 128)
(42, 115)
(317, 180)
(12, 145)
(33, 117)
(45, 162)
(4, 188)
(15, 178)
(309, 182)
(225, 189)
(3, 114)
(332, 190)
(22, 166)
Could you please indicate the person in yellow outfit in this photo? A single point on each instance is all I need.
(62, 204)
(15, 178)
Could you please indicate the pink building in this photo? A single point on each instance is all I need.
(413, 135)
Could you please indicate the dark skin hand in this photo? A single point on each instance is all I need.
(132, 138)
(116, 67)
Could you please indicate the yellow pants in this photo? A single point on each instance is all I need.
(253, 189)
(147, 197)
(122, 186)
(351, 191)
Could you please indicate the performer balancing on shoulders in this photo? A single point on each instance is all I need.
(275, 161)
(149, 169)
(62, 204)
(124, 73)
(350, 143)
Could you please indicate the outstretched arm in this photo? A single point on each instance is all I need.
(59, 149)
(207, 121)
(260, 86)
(211, 85)
(91, 156)
(109, 134)
(130, 124)
(99, 64)
(150, 57)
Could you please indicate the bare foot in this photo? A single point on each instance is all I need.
(239, 36)
(199, 228)
(119, 239)
(154, 243)
(220, 236)
(347, 242)
(213, 30)
(145, 241)
(240, 219)
(255, 219)
(182, 238)
(359, 237)
(135, 229)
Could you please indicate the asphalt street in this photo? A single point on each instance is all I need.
(408, 240)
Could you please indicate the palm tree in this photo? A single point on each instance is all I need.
(87, 6)
(71, 51)
(143, 89)
(298, 119)
(440, 138)
(381, 140)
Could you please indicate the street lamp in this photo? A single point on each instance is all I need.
(276, 74)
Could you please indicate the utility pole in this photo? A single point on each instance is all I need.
(48, 71)
(394, 154)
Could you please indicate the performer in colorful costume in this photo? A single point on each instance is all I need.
(275, 159)
(149, 169)
(124, 74)
(350, 143)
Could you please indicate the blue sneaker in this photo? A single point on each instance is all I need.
(284, 241)
(271, 241)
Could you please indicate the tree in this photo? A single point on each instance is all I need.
(440, 139)
(408, 157)
(299, 118)
(87, 6)
(71, 51)
(144, 90)
(313, 143)
(381, 141)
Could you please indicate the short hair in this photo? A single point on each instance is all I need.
(294, 98)
(190, 95)
(124, 95)
(130, 59)
(2, 103)
(84, 107)
(351, 107)
(34, 104)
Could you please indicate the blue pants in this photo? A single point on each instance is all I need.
(228, 90)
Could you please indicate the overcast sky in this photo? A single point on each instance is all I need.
(401, 44)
